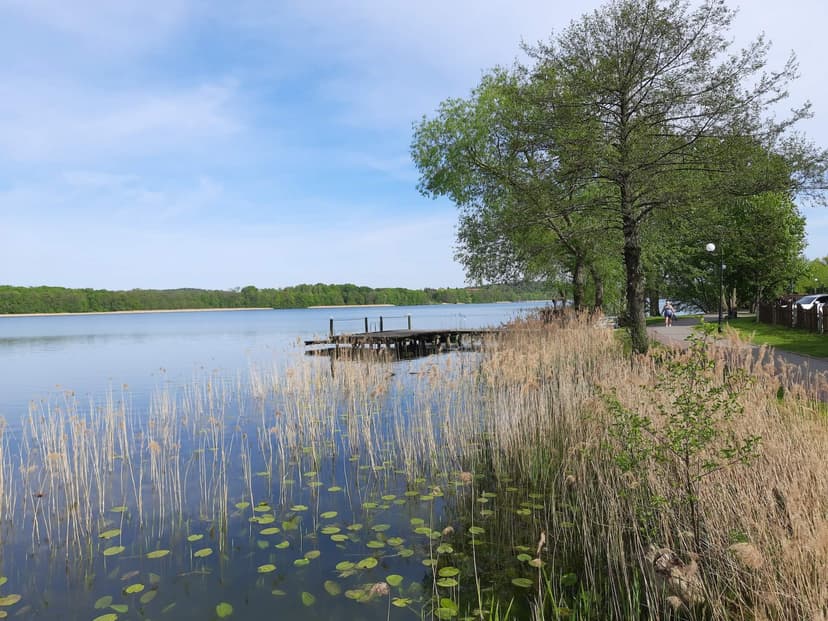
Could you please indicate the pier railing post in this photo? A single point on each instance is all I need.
(366, 325)
(380, 323)
(331, 327)
(409, 321)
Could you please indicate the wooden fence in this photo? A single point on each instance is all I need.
(791, 316)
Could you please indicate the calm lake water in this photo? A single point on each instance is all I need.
(91, 354)
(199, 466)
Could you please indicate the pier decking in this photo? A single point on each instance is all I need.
(401, 343)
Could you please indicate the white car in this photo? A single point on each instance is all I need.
(807, 302)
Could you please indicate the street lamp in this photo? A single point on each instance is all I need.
(711, 247)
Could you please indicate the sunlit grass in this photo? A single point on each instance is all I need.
(788, 339)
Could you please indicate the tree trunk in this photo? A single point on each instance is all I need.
(598, 281)
(636, 321)
(578, 278)
(654, 297)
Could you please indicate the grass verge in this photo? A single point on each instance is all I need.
(788, 339)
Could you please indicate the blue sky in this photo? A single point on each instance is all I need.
(218, 144)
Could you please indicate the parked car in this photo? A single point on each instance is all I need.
(807, 302)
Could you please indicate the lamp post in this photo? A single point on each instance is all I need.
(711, 247)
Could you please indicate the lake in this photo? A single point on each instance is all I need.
(89, 354)
(197, 465)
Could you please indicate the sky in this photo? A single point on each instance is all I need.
(219, 144)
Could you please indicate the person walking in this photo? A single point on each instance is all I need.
(669, 313)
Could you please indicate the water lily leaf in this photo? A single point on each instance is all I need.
(301, 562)
(203, 552)
(278, 592)
(262, 507)
(354, 527)
(447, 582)
(524, 583)
(103, 602)
(406, 552)
(157, 553)
(339, 537)
(445, 548)
(369, 505)
(536, 562)
(264, 519)
(367, 563)
(334, 488)
(376, 545)
(224, 609)
(119, 509)
(154, 578)
(380, 528)
(332, 588)
(134, 588)
(477, 530)
(109, 616)
(282, 545)
(330, 530)
(109, 534)
(3, 580)
(328, 515)
(308, 599)
(147, 597)
(394, 580)
(195, 537)
(299, 508)
(429, 562)
(272, 530)
(266, 568)
(523, 557)
(448, 572)
(569, 579)
(242, 505)
(312, 554)
(113, 550)
(400, 602)
(345, 565)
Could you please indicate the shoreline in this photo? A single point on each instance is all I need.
(351, 306)
(135, 312)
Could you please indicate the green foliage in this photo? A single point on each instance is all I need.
(692, 437)
(17, 300)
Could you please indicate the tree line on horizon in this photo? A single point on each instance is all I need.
(46, 299)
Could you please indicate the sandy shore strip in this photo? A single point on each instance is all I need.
(352, 305)
(135, 312)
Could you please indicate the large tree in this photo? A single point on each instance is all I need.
(639, 108)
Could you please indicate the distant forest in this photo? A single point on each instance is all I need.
(16, 300)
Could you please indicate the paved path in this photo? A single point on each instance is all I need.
(814, 369)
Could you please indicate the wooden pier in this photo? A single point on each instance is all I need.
(399, 343)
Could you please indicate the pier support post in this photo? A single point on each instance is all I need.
(409, 321)
(331, 327)
(380, 323)
(366, 325)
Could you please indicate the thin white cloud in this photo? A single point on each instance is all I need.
(66, 121)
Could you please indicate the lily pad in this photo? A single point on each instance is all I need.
(109, 616)
(523, 583)
(113, 550)
(157, 553)
(332, 588)
(368, 563)
(328, 515)
(109, 534)
(394, 580)
(103, 602)
(195, 537)
(266, 568)
(224, 609)
(203, 552)
(147, 597)
(308, 599)
(134, 588)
